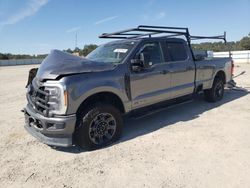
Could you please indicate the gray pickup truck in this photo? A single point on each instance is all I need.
(75, 100)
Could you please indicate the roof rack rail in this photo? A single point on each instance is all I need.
(146, 30)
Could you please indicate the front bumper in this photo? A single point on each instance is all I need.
(54, 131)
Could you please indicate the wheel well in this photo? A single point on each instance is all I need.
(221, 75)
(104, 97)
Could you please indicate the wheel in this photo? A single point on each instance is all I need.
(98, 126)
(216, 92)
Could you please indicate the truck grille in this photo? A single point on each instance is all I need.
(38, 98)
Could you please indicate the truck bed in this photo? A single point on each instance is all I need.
(207, 69)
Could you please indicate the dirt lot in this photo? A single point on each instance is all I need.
(198, 144)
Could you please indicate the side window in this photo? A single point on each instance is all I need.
(152, 51)
(176, 51)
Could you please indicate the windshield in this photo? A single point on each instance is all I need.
(111, 52)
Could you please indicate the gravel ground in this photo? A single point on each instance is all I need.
(197, 144)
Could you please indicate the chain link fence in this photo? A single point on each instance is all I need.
(12, 62)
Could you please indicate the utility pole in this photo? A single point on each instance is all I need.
(76, 40)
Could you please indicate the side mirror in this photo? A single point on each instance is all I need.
(141, 62)
(145, 59)
(136, 64)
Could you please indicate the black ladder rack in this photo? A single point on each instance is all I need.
(145, 30)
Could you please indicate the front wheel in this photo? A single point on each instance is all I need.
(216, 93)
(98, 126)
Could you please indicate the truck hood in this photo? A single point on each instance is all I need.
(59, 63)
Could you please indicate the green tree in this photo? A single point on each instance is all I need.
(77, 50)
(87, 49)
(245, 42)
(3, 56)
(68, 50)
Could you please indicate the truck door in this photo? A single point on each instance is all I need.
(182, 67)
(150, 85)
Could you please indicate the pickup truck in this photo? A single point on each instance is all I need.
(75, 100)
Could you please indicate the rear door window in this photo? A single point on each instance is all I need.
(176, 51)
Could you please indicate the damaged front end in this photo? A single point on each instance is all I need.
(45, 117)
(47, 95)
(45, 113)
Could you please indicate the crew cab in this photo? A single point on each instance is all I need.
(76, 100)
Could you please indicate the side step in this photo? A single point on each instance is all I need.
(149, 110)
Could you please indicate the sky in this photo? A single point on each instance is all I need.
(38, 26)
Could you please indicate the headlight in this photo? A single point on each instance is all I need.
(58, 97)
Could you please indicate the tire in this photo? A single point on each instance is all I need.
(97, 126)
(216, 93)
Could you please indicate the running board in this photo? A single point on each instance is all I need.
(150, 110)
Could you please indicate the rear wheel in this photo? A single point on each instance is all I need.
(98, 126)
(216, 93)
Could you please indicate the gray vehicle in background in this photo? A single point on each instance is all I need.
(75, 100)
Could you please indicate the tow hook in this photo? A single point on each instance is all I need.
(243, 72)
(232, 84)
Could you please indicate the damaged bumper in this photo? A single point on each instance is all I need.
(54, 131)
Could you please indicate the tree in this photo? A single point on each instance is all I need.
(3, 56)
(77, 50)
(245, 42)
(87, 49)
(68, 50)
